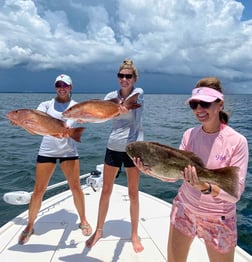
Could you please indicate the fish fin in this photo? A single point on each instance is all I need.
(30, 131)
(75, 133)
(227, 179)
(81, 121)
(114, 100)
(133, 98)
(60, 135)
(40, 112)
(131, 102)
(26, 126)
(195, 159)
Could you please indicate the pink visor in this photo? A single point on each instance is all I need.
(205, 94)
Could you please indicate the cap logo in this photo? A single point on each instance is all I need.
(65, 78)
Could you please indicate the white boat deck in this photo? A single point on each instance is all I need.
(57, 237)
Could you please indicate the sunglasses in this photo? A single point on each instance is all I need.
(203, 104)
(61, 85)
(127, 76)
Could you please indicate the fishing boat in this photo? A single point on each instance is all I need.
(57, 236)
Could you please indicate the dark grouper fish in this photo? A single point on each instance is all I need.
(40, 123)
(97, 110)
(167, 163)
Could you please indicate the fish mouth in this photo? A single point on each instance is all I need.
(8, 116)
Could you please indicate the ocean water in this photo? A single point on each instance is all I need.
(165, 119)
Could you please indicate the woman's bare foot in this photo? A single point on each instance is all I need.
(94, 238)
(137, 245)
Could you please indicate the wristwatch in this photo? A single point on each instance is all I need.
(208, 190)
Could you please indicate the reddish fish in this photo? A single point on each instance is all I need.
(97, 111)
(40, 123)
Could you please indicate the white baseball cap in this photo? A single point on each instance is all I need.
(64, 78)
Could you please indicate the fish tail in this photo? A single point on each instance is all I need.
(227, 179)
(131, 103)
(75, 133)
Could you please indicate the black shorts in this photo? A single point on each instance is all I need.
(114, 158)
(48, 159)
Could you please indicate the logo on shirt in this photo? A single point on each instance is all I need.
(220, 157)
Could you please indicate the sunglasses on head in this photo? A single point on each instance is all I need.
(127, 76)
(203, 104)
(61, 85)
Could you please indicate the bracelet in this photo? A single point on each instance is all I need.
(208, 190)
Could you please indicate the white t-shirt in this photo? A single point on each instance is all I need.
(52, 146)
(126, 128)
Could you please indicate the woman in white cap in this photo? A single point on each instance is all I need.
(51, 150)
(204, 209)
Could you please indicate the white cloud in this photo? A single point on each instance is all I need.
(188, 37)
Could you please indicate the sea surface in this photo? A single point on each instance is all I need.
(165, 119)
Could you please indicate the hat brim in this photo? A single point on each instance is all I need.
(62, 80)
(205, 98)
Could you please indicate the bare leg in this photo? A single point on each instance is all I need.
(109, 175)
(178, 245)
(44, 172)
(133, 182)
(215, 256)
(71, 170)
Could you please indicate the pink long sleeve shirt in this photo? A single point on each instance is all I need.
(221, 149)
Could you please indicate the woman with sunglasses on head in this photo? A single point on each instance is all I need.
(125, 128)
(204, 209)
(53, 149)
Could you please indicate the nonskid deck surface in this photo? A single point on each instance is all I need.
(58, 238)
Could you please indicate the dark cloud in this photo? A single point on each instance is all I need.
(182, 40)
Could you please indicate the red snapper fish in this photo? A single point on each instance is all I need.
(97, 111)
(40, 123)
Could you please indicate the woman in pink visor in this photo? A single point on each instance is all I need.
(204, 209)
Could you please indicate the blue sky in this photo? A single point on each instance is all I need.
(172, 43)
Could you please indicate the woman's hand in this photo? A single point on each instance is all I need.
(122, 108)
(191, 177)
(143, 168)
(147, 169)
